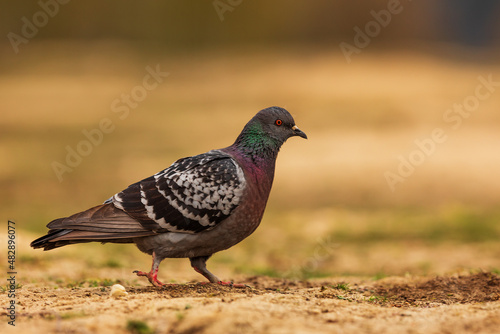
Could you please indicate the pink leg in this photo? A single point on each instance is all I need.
(153, 274)
(199, 265)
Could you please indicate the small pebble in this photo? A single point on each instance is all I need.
(118, 290)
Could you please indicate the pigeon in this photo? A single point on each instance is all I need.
(198, 206)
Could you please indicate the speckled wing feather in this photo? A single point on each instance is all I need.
(192, 195)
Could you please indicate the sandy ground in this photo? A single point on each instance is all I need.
(468, 303)
(434, 238)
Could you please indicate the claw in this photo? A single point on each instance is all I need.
(152, 277)
(225, 283)
(234, 285)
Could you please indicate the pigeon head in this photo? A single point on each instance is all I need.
(266, 132)
(277, 123)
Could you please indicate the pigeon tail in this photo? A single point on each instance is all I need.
(103, 223)
(45, 241)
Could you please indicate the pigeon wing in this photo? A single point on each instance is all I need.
(194, 194)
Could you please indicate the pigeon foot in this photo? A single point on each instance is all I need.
(152, 277)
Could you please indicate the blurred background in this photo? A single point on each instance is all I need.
(97, 95)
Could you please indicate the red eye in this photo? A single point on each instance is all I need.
(278, 122)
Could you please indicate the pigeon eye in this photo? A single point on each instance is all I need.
(278, 122)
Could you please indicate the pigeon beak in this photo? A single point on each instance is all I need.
(298, 132)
